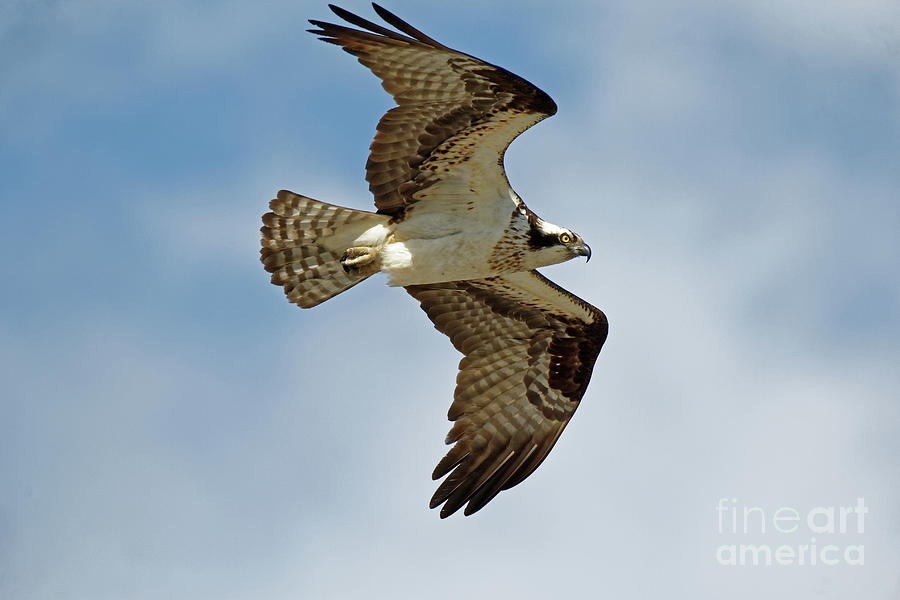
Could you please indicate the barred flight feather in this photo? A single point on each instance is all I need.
(302, 244)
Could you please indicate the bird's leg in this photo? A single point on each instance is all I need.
(360, 260)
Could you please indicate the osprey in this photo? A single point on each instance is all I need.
(450, 230)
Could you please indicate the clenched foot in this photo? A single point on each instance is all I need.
(360, 260)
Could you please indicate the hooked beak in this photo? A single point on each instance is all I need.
(583, 250)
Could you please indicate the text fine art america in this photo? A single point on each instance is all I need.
(450, 230)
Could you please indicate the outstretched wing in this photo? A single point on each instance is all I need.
(529, 349)
(455, 115)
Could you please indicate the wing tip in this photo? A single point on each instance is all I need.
(341, 12)
(469, 506)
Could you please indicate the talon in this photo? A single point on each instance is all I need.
(359, 260)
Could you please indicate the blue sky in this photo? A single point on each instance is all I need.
(170, 427)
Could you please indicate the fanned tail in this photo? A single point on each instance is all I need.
(303, 241)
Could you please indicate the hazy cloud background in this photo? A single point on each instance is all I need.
(170, 427)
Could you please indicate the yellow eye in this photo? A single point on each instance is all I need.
(565, 238)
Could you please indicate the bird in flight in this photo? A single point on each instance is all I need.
(451, 231)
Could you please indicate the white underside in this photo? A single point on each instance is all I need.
(434, 247)
(449, 258)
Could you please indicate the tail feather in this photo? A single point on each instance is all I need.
(303, 241)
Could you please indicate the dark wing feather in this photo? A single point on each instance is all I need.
(529, 349)
(446, 102)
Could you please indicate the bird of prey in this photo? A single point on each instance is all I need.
(450, 230)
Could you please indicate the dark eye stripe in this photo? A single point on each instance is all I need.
(538, 239)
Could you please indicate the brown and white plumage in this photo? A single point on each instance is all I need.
(455, 114)
(449, 228)
(303, 240)
(529, 348)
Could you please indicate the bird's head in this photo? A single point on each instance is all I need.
(551, 244)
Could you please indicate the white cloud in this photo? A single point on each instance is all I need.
(866, 30)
